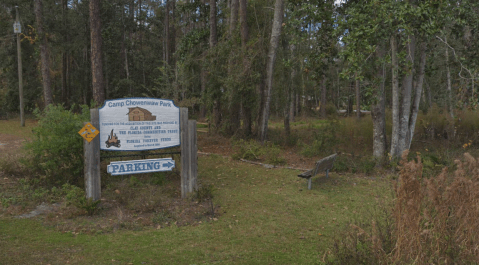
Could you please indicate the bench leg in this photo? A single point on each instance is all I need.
(309, 183)
(327, 171)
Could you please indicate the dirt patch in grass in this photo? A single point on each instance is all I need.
(131, 203)
(10, 144)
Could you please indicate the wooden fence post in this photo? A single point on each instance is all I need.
(193, 150)
(92, 161)
(185, 151)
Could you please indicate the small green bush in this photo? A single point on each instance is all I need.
(205, 192)
(56, 152)
(273, 155)
(158, 178)
(331, 110)
(76, 196)
(249, 150)
(325, 139)
(10, 166)
(341, 164)
(367, 165)
(253, 150)
(163, 216)
(435, 124)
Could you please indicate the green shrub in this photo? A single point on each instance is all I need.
(367, 165)
(435, 124)
(273, 154)
(158, 178)
(205, 192)
(325, 139)
(341, 164)
(249, 150)
(253, 150)
(57, 148)
(331, 110)
(10, 166)
(163, 216)
(76, 196)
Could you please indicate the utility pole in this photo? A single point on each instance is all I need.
(17, 29)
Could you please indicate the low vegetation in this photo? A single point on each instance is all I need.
(432, 220)
(421, 209)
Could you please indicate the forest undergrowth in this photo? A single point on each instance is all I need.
(432, 220)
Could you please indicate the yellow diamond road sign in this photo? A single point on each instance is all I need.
(88, 132)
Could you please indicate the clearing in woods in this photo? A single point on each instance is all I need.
(257, 215)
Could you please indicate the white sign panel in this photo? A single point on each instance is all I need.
(135, 124)
(140, 166)
(17, 28)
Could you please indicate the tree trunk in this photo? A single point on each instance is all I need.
(358, 99)
(395, 99)
(203, 94)
(323, 97)
(429, 95)
(47, 91)
(213, 41)
(243, 23)
(167, 33)
(287, 118)
(233, 16)
(275, 34)
(246, 98)
(288, 108)
(378, 114)
(173, 34)
(417, 97)
(213, 36)
(449, 85)
(96, 62)
(64, 53)
(234, 98)
(406, 96)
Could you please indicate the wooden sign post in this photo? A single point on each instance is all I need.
(124, 126)
(92, 161)
(189, 154)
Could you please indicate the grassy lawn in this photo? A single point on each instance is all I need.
(12, 127)
(266, 216)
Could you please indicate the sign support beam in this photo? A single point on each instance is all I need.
(185, 152)
(193, 156)
(92, 161)
(20, 70)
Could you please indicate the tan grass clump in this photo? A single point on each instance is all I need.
(434, 221)
(437, 219)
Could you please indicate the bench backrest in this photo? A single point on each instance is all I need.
(324, 164)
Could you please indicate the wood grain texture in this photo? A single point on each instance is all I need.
(92, 161)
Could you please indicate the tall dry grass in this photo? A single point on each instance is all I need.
(434, 220)
(437, 219)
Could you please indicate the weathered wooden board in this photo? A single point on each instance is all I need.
(92, 162)
(185, 153)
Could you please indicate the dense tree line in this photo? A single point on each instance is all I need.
(237, 62)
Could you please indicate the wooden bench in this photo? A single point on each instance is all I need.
(324, 164)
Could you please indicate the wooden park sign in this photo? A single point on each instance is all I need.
(138, 124)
